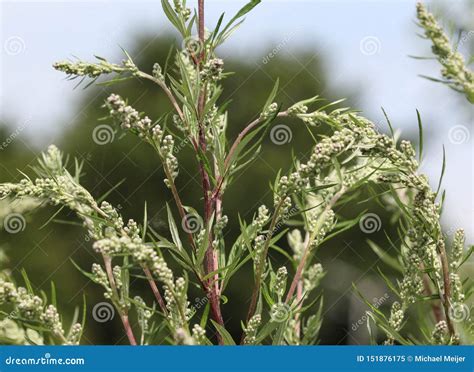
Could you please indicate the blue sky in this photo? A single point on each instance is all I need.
(364, 45)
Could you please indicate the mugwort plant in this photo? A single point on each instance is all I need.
(286, 305)
(455, 72)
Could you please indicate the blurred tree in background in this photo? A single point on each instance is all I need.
(130, 169)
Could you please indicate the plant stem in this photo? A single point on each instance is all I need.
(178, 201)
(446, 299)
(128, 329)
(302, 264)
(201, 21)
(434, 306)
(146, 270)
(155, 290)
(167, 91)
(113, 287)
(211, 256)
(261, 265)
(239, 139)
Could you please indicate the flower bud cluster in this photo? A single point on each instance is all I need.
(269, 111)
(12, 333)
(321, 228)
(181, 9)
(456, 288)
(199, 335)
(296, 110)
(157, 72)
(411, 285)
(127, 116)
(214, 124)
(280, 281)
(212, 70)
(117, 273)
(439, 336)
(262, 218)
(454, 67)
(258, 247)
(100, 277)
(395, 321)
(92, 70)
(295, 240)
(32, 309)
(314, 118)
(186, 64)
(177, 303)
(220, 225)
(357, 133)
(74, 336)
(50, 318)
(182, 337)
(61, 189)
(457, 249)
(171, 161)
(312, 277)
(144, 315)
(252, 329)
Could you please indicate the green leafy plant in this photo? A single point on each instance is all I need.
(455, 72)
(286, 305)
